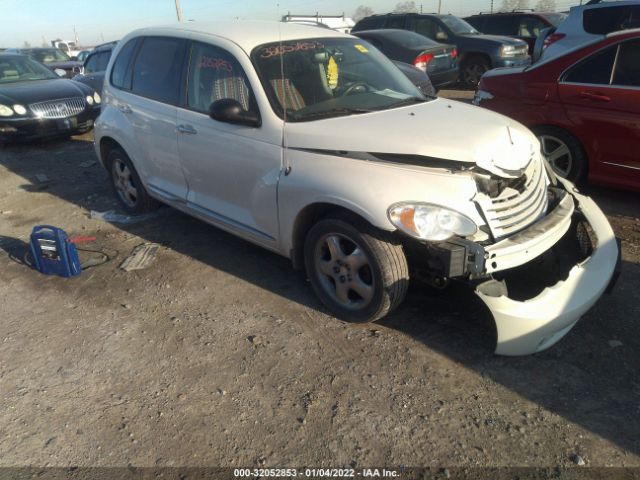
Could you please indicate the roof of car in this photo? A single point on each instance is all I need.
(487, 14)
(246, 34)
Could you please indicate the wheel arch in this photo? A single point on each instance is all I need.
(536, 127)
(106, 145)
(309, 216)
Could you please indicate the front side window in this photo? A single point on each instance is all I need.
(215, 74)
(23, 69)
(92, 63)
(500, 25)
(157, 69)
(103, 60)
(427, 27)
(311, 79)
(595, 70)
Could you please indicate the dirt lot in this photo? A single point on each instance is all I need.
(220, 355)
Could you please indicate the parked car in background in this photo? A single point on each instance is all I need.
(587, 24)
(584, 107)
(525, 25)
(418, 77)
(438, 61)
(95, 66)
(67, 46)
(52, 58)
(477, 53)
(36, 103)
(302, 141)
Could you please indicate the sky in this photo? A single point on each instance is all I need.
(97, 21)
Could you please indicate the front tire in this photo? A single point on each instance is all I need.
(126, 183)
(358, 272)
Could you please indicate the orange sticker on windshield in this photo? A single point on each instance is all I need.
(361, 48)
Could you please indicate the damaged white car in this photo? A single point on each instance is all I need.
(314, 145)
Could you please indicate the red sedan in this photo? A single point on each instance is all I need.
(584, 107)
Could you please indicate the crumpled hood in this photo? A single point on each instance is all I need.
(440, 129)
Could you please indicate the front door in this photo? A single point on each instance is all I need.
(232, 170)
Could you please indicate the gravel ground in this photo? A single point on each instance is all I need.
(220, 355)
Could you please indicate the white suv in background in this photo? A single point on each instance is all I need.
(586, 24)
(312, 144)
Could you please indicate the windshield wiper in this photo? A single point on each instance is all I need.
(334, 112)
(406, 101)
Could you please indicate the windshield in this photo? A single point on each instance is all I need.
(555, 19)
(311, 79)
(22, 69)
(47, 55)
(458, 26)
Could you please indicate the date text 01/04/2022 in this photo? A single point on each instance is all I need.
(315, 472)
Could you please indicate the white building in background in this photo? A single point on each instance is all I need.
(339, 23)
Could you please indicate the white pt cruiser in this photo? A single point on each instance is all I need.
(314, 145)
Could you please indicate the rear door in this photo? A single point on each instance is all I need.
(601, 96)
(151, 108)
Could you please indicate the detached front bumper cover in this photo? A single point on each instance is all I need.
(533, 325)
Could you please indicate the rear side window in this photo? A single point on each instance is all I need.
(627, 71)
(370, 23)
(121, 73)
(500, 25)
(530, 27)
(395, 22)
(158, 69)
(595, 70)
(601, 21)
(97, 62)
(92, 64)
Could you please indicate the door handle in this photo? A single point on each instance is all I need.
(124, 108)
(187, 129)
(597, 97)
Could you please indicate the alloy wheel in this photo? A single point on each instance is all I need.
(558, 154)
(124, 183)
(344, 271)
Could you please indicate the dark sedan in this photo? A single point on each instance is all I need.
(52, 58)
(36, 103)
(435, 59)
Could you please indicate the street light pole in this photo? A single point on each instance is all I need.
(178, 10)
(439, 5)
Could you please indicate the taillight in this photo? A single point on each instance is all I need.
(423, 60)
(454, 53)
(553, 38)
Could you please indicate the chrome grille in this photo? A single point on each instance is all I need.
(63, 108)
(515, 210)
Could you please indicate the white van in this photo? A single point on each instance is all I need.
(312, 144)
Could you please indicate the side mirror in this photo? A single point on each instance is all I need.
(230, 111)
(442, 37)
(60, 72)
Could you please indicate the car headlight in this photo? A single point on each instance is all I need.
(89, 99)
(430, 222)
(97, 97)
(5, 111)
(510, 51)
(19, 109)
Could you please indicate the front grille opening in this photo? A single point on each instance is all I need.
(529, 280)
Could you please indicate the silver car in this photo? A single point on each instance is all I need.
(312, 144)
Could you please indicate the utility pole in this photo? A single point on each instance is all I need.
(75, 35)
(491, 6)
(178, 10)
(420, 8)
(439, 5)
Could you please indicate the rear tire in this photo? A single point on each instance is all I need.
(126, 183)
(564, 152)
(358, 272)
